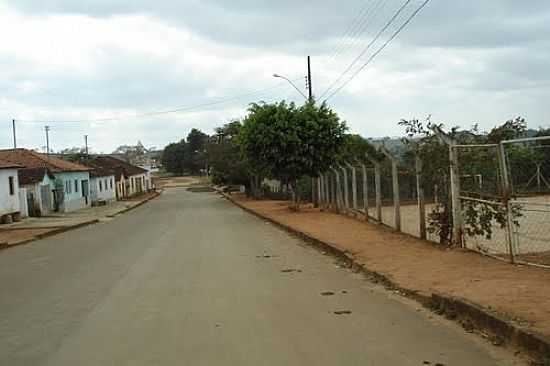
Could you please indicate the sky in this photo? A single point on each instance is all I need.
(102, 63)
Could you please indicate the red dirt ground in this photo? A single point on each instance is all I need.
(519, 293)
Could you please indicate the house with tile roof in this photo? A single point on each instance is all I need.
(69, 189)
(130, 180)
(102, 179)
(10, 207)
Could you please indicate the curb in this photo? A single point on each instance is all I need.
(471, 316)
(63, 229)
(157, 193)
(53, 232)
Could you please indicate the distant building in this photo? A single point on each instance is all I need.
(69, 190)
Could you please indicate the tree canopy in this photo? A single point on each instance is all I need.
(286, 142)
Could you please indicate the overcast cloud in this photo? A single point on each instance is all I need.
(462, 62)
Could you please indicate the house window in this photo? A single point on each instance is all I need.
(100, 186)
(105, 184)
(76, 185)
(12, 186)
(68, 186)
(111, 180)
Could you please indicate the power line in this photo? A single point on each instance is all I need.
(363, 32)
(169, 111)
(369, 45)
(351, 31)
(373, 56)
(357, 36)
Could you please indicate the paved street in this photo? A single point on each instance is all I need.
(189, 279)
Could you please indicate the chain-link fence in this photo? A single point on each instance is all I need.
(484, 211)
(490, 198)
(528, 179)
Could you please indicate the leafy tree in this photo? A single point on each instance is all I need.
(195, 151)
(285, 142)
(224, 156)
(511, 129)
(173, 157)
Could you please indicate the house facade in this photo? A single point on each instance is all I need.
(38, 185)
(130, 180)
(9, 192)
(102, 187)
(69, 188)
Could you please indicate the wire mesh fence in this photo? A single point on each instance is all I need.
(528, 177)
(483, 205)
(498, 195)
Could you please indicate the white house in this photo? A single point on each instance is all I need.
(102, 185)
(9, 192)
(70, 187)
(130, 180)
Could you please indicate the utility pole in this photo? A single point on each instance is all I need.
(86, 143)
(47, 129)
(14, 139)
(309, 79)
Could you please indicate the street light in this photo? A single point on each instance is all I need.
(291, 83)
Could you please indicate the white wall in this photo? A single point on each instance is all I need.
(8, 203)
(23, 206)
(107, 190)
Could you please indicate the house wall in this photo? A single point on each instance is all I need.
(23, 207)
(107, 190)
(8, 203)
(138, 184)
(73, 197)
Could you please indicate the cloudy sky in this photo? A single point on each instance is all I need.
(104, 62)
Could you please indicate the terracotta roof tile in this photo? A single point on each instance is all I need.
(32, 159)
(33, 175)
(4, 164)
(117, 166)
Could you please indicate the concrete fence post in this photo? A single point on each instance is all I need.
(420, 193)
(365, 192)
(395, 186)
(346, 188)
(337, 191)
(353, 186)
(377, 187)
(455, 185)
(327, 189)
(506, 190)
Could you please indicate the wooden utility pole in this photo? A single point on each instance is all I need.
(310, 88)
(47, 129)
(13, 129)
(86, 143)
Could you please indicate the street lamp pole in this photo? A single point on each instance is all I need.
(291, 83)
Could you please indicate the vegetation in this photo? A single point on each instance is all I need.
(286, 142)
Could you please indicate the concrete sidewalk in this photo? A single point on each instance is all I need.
(33, 228)
(510, 301)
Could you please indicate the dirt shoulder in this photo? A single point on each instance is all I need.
(518, 293)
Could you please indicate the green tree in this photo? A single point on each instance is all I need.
(224, 156)
(285, 142)
(173, 157)
(195, 151)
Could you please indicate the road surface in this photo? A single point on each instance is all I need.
(189, 279)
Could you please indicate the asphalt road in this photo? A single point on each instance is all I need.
(189, 279)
